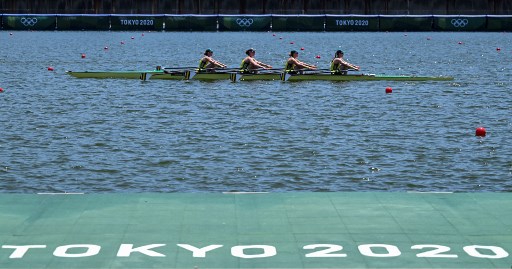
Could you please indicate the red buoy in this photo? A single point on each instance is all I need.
(83, 56)
(1, 90)
(480, 131)
(498, 49)
(50, 68)
(460, 43)
(389, 90)
(133, 37)
(318, 56)
(301, 48)
(292, 42)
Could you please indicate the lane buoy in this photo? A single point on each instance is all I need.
(83, 56)
(133, 37)
(460, 43)
(498, 49)
(122, 42)
(318, 57)
(389, 90)
(301, 48)
(50, 68)
(1, 90)
(292, 43)
(480, 131)
(105, 48)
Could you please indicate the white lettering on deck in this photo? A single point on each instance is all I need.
(126, 249)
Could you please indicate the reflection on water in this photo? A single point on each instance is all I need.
(61, 134)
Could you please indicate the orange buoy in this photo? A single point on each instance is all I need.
(50, 68)
(83, 55)
(389, 90)
(480, 131)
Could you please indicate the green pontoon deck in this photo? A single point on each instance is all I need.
(286, 230)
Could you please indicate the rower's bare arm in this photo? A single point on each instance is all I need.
(263, 65)
(219, 64)
(350, 65)
(310, 66)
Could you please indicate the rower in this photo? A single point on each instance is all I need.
(339, 66)
(208, 64)
(250, 65)
(294, 66)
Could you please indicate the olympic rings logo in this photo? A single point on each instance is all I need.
(459, 23)
(28, 21)
(244, 22)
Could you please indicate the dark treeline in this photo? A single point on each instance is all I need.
(366, 7)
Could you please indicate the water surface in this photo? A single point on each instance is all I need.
(62, 134)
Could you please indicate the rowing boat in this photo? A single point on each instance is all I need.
(233, 76)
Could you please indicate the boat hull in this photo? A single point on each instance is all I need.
(186, 75)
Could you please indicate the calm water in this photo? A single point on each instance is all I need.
(61, 134)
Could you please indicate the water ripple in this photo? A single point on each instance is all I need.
(61, 134)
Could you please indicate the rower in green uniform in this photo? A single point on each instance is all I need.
(208, 64)
(339, 66)
(250, 65)
(294, 66)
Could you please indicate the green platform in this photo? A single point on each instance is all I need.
(287, 230)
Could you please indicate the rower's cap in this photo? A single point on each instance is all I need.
(293, 52)
(249, 51)
(339, 52)
(207, 51)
